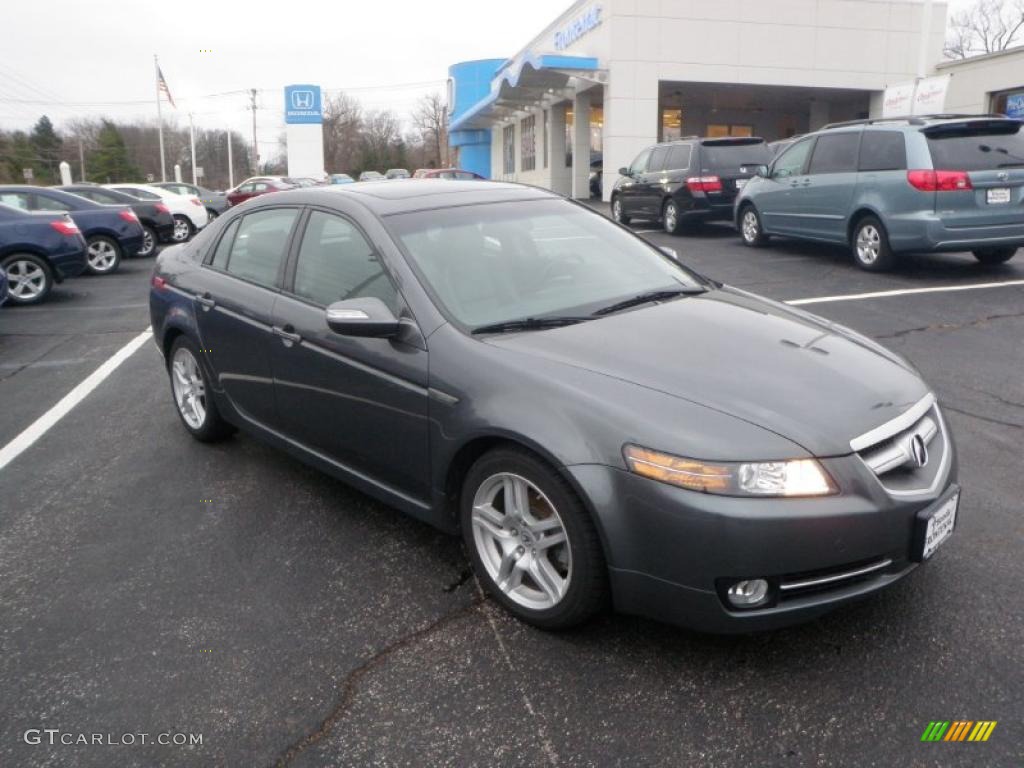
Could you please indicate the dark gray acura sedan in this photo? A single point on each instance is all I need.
(599, 423)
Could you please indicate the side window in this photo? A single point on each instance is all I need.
(640, 164)
(835, 153)
(336, 263)
(883, 151)
(44, 203)
(259, 246)
(678, 157)
(260, 187)
(15, 200)
(792, 161)
(657, 162)
(220, 256)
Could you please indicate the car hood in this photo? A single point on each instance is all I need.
(813, 382)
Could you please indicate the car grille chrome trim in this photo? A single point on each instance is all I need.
(818, 581)
(895, 426)
(897, 452)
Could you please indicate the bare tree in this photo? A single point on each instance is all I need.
(988, 26)
(431, 120)
(381, 141)
(343, 128)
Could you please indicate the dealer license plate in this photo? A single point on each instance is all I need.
(997, 196)
(940, 527)
(740, 183)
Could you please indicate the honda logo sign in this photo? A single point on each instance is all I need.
(302, 104)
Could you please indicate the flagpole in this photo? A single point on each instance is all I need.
(160, 120)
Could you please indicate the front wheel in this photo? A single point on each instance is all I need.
(617, 212)
(870, 245)
(192, 396)
(183, 229)
(994, 255)
(103, 255)
(29, 278)
(750, 228)
(531, 542)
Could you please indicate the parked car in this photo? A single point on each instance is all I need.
(155, 217)
(887, 187)
(256, 186)
(341, 178)
(680, 183)
(111, 232)
(596, 183)
(396, 173)
(303, 181)
(3, 287)
(38, 250)
(371, 176)
(710, 476)
(456, 174)
(189, 213)
(216, 202)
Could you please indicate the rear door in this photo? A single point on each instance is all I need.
(733, 161)
(831, 180)
(991, 152)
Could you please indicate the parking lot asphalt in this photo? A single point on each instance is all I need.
(151, 584)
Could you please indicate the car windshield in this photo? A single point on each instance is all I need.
(494, 263)
(981, 148)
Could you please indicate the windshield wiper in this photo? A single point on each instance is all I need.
(647, 298)
(531, 324)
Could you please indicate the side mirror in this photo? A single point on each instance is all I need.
(672, 253)
(762, 171)
(623, 171)
(368, 318)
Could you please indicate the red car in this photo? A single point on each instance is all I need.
(258, 185)
(446, 173)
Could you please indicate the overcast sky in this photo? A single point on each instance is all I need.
(388, 53)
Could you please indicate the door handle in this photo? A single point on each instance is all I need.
(207, 301)
(287, 334)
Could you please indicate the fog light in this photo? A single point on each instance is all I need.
(747, 593)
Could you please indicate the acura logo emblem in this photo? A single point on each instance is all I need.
(918, 451)
(1002, 175)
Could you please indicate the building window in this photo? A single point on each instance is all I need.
(671, 124)
(528, 140)
(509, 148)
(544, 139)
(568, 137)
(721, 130)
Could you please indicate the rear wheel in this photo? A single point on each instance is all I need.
(192, 395)
(994, 255)
(750, 227)
(670, 217)
(183, 229)
(617, 213)
(29, 278)
(103, 255)
(149, 241)
(870, 245)
(531, 542)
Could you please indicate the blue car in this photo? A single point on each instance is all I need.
(111, 232)
(36, 251)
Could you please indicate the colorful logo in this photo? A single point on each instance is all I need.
(958, 730)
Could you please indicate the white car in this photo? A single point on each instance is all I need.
(188, 210)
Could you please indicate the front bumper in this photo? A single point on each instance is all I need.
(671, 550)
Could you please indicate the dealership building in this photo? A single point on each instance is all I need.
(608, 78)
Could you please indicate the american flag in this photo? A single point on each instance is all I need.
(161, 85)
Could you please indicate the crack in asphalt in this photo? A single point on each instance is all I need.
(464, 576)
(32, 362)
(949, 326)
(350, 683)
(989, 419)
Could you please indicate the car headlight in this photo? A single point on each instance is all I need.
(795, 477)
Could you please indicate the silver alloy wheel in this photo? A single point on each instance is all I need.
(671, 217)
(148, 242)
(102, 255)
(26, 279)
(521, 541)
(750, 226)
(869, 244)
(181, 229)
(617, 209)
(189, 388)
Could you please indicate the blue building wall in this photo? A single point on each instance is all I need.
(471, 81)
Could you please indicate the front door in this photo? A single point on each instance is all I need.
(235, 296)
(360, 401)
(780, 200)
(831, 180)
(630, 187)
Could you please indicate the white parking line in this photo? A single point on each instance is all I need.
(903, 292)
(40, 426)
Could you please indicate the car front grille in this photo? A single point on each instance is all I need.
(910, 454)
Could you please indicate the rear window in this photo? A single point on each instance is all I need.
(725, 155)
(883, 151)
(984, 148)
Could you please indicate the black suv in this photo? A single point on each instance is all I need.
(688, 180)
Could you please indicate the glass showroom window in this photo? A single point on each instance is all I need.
(509, 148)
(528, 139)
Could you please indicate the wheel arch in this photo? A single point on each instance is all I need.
(858, 215)
(742, 206)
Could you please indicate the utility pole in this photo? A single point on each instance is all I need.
(231, 170)
(192, 140)
(255, 146)
(81, 158)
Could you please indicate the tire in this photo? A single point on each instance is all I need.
(29, 278)
(994, 255)
(192, 398)
(670, 218)
(149, 241)
(102, 256)
(751, 233)
(183, 229)
(869, 244)
(210, 215)
(554, 585)
(617, 213)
